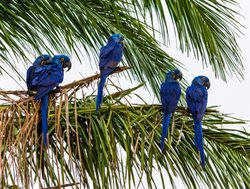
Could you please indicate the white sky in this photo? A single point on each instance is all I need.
(233, 96)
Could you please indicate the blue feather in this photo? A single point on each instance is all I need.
(31, 72)
(199, 141)
(44, 110)
(170, 94)
(44, 76)
(109, 57)
(196, 97)
(47, 78)
(100, 92)
(42, 91)
(165, 123)
(29, 77)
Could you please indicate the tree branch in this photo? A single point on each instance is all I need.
(81, 82)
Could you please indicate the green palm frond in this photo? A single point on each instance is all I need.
(80, 27)
(208, 29)
(119, 146)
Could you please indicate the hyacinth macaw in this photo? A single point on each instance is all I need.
(170, 93)
(30, 75)
(196, 97)
(47, 78)
(110, 56)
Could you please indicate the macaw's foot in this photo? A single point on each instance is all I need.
(31, 93)
(116, 68)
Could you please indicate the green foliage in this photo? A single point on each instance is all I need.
(205, 28)
(119, 146)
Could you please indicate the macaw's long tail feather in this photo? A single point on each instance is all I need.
(165, 123)
(42, 91)
(40, 153)
(100, 92)
(42, 128)
(198, 139)
(44, 110)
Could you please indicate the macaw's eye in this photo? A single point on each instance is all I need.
(204, 78)
(62, 59)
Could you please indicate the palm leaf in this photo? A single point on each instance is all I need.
(207, 29)
(119, 146)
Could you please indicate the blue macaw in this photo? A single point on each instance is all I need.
(47, 78)
(196, 97)
(30, 75)
(110, 56)
(170, 94)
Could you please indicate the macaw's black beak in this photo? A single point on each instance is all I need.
(67, 65)
(207, 84)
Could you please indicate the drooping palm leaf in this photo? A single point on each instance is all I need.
(208, 29)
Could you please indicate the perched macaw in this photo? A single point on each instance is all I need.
(47, 78)
(30, 75)
(196, 97)
(170, 94)
(110, 56)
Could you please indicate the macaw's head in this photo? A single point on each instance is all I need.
(63, 60)
(118, 38)
(174, 75)
(42, 60)
(202, 81)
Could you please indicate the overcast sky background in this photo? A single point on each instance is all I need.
(233, 96)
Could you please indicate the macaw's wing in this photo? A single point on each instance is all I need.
(42, 70)
(196, 98)
(39, 74)
(29, 76)
(170, 94)
(50, 78)
(118, 52)
(46, 75)
(107, 49)
(112, 58)
(48, 82)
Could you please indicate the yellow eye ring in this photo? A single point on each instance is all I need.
(62, 59)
